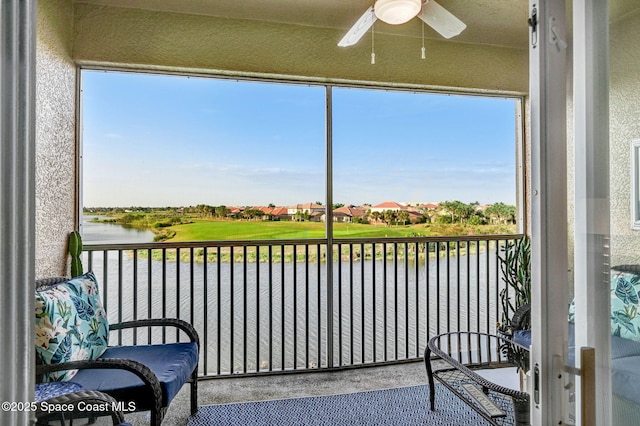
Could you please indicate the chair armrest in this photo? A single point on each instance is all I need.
(142, 371)
(160, 322)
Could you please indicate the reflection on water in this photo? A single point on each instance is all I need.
(107, 233)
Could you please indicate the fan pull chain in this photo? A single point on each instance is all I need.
(424, 55)
(373, 53)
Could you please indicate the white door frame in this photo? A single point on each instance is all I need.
(549, 230)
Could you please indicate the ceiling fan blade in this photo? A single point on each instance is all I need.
(441, 20)
(359, 28)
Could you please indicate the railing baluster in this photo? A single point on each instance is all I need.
(219, 310)
(438, 328)
(351, 313)
(231, 311)
(164, 292)
(191, 284)
(244, 310)
(282, 308)
(468, 305)
(448, 284)
(177, 288)
(374, 306)
(458, 299)
(105, 280)
(270, 254)
(295, 307)
(119, 295)
(478, 248)
(306, 304)
(205, 319)
(488, 288)
(395, 300)
(385, 322)
(427, 304)
(362, 307)
(149, 293)
(257, 308)
(135, 294)
(406, 298)
(339, 287)
(417, 300)
(319, 306)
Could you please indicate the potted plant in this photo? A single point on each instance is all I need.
(75, 251)
(515, 298)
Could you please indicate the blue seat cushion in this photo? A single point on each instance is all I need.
(172, 363)
(624, 348)
(522, 337)
(624, 378)
(625, 359)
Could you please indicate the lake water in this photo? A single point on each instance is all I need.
(108, 233)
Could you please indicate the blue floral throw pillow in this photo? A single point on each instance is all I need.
(625, 297)
(71, 324)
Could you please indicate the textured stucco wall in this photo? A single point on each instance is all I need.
(148, 39)
(624, 126)
(55, 136)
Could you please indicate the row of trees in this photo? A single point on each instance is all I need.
(451, 212)
(459, 212)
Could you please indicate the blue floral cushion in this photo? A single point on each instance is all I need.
(572, 312)
(49, 390)
(625, 297)
(71, 324)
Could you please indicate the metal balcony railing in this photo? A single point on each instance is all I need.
(269, 307)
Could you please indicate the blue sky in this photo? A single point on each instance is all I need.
(157, 140)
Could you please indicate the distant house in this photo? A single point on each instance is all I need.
(235, 212)
(267, 212)
(430, 206)
(388, 205)
(348, 213)
(415, 216)
(306, 208)
(273, 213)
(280, 213)
(309, 211)
(428, 210)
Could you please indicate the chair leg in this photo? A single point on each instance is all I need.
(157, 416)
(432, 388)
(194, 392)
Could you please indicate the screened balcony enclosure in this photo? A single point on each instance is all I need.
(329, 304)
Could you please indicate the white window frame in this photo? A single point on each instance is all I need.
(635, 184)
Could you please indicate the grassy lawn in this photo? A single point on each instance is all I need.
(203, 230)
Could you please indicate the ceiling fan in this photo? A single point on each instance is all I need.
(397, 12)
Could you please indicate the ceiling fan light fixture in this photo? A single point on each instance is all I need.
(397, 12)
